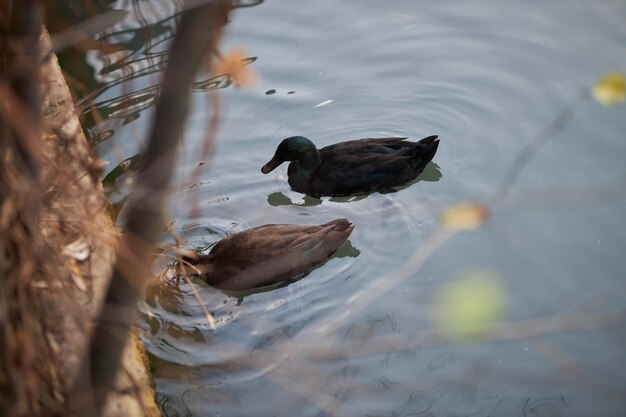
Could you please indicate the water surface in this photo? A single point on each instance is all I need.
(486, 77)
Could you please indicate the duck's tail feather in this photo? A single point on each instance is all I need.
(335, 233)
(427, 148)
(340, 225)
(429, 139)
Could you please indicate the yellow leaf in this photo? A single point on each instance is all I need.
(468, 307)
(464, 216)
(610, 89)
(234, 63)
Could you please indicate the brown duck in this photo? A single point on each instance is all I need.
(269, 254)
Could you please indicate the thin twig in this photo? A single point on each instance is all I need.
(206, 312)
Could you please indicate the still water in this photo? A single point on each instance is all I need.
(487, 77)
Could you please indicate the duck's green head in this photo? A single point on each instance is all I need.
(295, 148)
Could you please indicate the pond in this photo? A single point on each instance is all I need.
(488, 78)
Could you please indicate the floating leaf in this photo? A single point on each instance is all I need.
(468, 307)
(610, 89)
(464, 216)
(235, 64)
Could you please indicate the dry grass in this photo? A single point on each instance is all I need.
(56, 243)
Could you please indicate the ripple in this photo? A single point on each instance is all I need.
(543, 407)
(484, 78)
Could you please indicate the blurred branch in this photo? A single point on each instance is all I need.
(567, 366)
(541, 139)
(23, 73)
(199, 31)
(510, 331)
(85, 31)
(502, 332)
(23, 124)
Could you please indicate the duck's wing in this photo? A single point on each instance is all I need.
(368, 145)
(365, 157)
(259, 243)
(272, 253)
(376, 154)
(370, 164)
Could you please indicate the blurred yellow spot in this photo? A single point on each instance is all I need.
(464, 216)
(234, 63)
(610, 89)
(468, 307)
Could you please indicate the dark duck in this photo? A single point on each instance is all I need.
(352, 167)
(268, 254)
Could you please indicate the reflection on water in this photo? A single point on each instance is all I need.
(485, 77)
(347, 250)
(246, 3)
(134, 49)
(279, 199)
(126, 108)
(431, 173)
(127, 165)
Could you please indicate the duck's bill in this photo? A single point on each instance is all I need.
(271, 165)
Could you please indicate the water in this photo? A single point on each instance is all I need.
(486, 77)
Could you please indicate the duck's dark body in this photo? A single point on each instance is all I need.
(270, 254)
(353, 167)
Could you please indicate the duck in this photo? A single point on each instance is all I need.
(352, 167)
(268, 254)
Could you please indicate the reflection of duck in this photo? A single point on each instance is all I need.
(352, 167)
(269, 254)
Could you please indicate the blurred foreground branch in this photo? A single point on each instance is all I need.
(20, 152)
(23, 74)
(525, 155)
(199, 31)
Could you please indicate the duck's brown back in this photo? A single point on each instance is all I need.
(272, 253)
